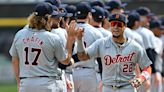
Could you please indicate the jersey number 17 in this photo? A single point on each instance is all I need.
(35, 58)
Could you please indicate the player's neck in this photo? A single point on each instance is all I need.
(82, 20)
(95, 24)
(55, 26)
(120, 39)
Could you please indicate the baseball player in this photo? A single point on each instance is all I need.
(96, 20)
(156, 27)
(69, 70)
(35, 53)
(84, 74)
(116, 6)
(106, 23)
(149, 42)
(134, 24)
(55, 19)
(119, 56)
(98, 15)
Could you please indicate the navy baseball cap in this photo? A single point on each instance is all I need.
(97, 3)
(98, 12)
(41, 9)
(56, 13)
(115, 4)
(132, 17)
(162, 21)
(54, 2)
(156, 24)
(106, 13)
(143, 11)
(118, 17)
(67, 14)
(71, 9)
(82, 9)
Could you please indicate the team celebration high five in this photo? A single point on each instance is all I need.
(89, 47)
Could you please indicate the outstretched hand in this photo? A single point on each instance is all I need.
(71, 29)
(74, 32)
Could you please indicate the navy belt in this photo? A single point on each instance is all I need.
(84, 67)
(119, 87)
(56, 77)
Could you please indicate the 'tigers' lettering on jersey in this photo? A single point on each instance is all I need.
(118, 58)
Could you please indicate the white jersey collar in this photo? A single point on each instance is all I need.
(109, 41)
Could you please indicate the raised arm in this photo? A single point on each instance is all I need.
(82, 55)
(70, 40)
(77, 33)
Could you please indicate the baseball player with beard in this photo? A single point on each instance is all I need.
(119, 56)
(36, 52)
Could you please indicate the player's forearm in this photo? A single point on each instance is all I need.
(70, 42)
(15, 63)
(82, 55)
(146, 73)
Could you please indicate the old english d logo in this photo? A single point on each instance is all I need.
(117, 16)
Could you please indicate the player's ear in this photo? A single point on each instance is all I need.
(89, 15)
(47, 17)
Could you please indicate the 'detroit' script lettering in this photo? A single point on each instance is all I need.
(118, 58)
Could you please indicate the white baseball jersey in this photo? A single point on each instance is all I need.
(147, 36)
(128, 33)
(84, 74)
(62, 33)
(38, 52)
(104, 32)
(134, 35)
(118, 61)
(90, 35)
(159, 50)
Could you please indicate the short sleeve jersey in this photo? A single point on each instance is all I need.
(91, 34)
(38, 52)
(118, 61)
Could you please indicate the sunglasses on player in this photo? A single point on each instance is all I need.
(117, 23)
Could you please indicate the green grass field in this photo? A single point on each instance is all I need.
(8, 88)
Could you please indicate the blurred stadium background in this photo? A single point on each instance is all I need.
(13, 17)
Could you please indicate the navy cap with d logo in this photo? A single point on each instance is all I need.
(117, 17)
